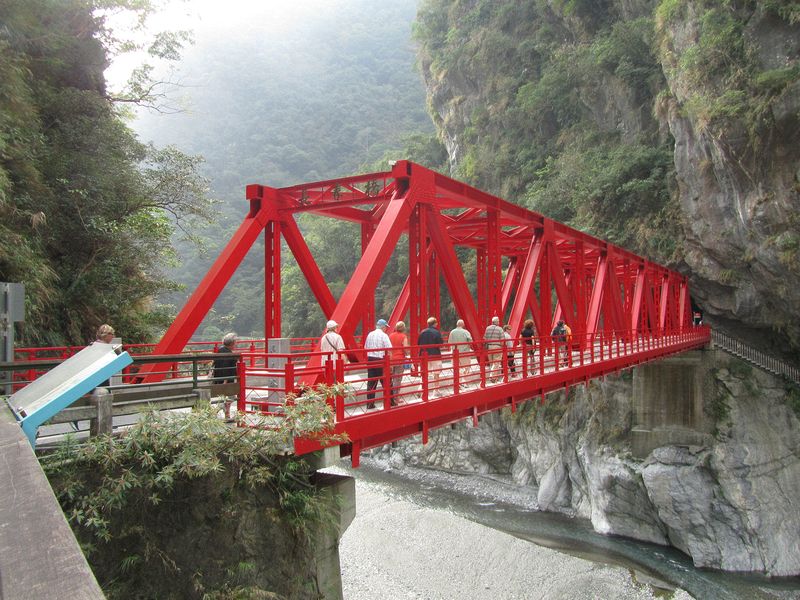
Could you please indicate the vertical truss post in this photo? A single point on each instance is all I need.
(545, 297)
(434, 291)
(494, 264)
(636, 319)
(650, 298)
(483, 292)
(663, 303)
(684, 305)
(272, 280)
(417, 265)
(368, 320)
(578, 282)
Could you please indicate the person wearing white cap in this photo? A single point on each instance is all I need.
(332, 343)
(376, 344)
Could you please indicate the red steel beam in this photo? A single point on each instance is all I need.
(308, 266)
(596, 285)
(454, 276)
(272, 280)
(209, 289)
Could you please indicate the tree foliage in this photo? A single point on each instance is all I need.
(86, 209)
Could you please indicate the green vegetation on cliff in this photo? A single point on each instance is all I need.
(177, 504)
(559, 105)
(554, 103)
(727, 79)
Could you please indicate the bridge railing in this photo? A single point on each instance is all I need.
(754, 356)
(38, 360)
(394, 381)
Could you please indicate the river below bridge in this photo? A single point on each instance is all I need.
(424, 534)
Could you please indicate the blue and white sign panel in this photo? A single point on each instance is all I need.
(54, 391)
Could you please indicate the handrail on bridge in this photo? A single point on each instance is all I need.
(399, 396)
(194, 369)
(396, 395)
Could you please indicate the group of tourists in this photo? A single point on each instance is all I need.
(378, 343)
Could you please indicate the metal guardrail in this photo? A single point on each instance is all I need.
(755, 357)
(186, 381)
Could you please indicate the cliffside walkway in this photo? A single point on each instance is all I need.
(754, 356)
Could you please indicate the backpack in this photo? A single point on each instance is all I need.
(559, 332)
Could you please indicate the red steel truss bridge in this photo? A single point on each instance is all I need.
(622, 309)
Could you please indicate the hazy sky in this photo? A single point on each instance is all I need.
(210, 18)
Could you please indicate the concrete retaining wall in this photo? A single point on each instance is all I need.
(39, 556)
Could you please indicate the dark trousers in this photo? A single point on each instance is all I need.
(374, 375)
(511, 363)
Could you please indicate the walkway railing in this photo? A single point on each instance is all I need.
(187, 381)
(755, 357)
(398, 396)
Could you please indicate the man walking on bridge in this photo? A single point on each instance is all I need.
(430, 340)
(463, 343)
(376, 344)
(495, 340)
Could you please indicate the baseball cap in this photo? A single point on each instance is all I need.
(382, 323)
(331, 324)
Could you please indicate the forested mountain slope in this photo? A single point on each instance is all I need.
(667, 127)
(328, 97)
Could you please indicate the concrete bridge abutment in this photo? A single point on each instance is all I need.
(669, 397)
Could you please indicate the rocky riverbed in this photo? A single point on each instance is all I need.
(397, 548)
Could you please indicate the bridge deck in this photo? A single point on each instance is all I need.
(428, 395)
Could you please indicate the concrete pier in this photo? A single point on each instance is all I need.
(668, 399)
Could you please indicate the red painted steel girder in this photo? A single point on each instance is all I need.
(558, 272)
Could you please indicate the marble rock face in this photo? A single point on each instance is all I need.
(732, 503)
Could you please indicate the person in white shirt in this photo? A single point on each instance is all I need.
(509, 348)
(332, 342)
(462, 341)
(495, 340)
(376, 344)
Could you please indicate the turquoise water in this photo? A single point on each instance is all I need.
(663, 568)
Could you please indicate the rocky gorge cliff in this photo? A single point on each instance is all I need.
(728, 497)
(666, 127)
